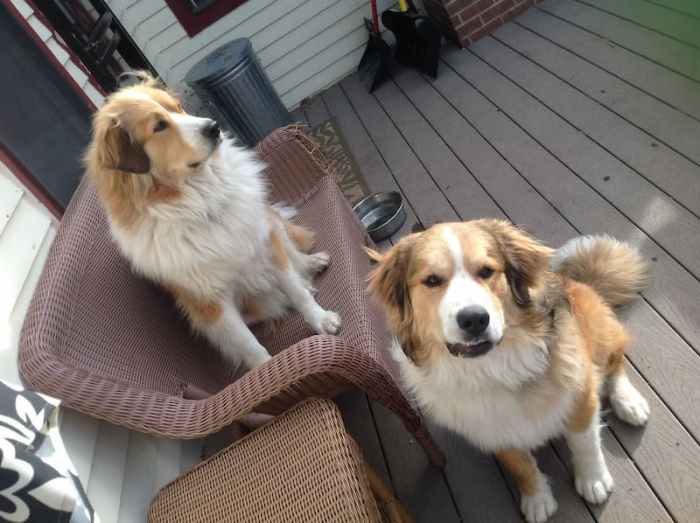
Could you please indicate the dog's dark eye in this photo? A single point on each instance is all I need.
(162, 125)
(432, 281)
(194, 165)
(485, 273)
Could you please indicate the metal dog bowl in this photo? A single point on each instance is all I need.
(382, 214)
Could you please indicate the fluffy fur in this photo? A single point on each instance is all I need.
(189, 209)
(532, 370)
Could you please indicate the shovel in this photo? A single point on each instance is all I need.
(376, 61)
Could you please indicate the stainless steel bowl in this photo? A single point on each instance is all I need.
(382, 214)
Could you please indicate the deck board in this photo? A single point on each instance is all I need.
(668, 87)
(657, 120)
(372, 165)
(631, 145)
(649, 44)
(427, 200)
(493, 172)
(357, 417)
(638, 502)
(651, 16)
(418, 485)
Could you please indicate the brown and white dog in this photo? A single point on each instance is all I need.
(509, 343)
(189, 209)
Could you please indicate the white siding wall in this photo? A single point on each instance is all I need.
(304, 45)
(121, 470)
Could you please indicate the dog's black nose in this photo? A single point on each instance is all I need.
(473, 320)
(212, 130)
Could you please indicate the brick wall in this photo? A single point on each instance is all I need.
(465, 21)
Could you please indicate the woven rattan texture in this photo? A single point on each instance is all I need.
(300, 468)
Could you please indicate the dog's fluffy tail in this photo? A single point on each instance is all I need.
(614, 269)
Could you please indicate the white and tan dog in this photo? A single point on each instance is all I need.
(189, 209)
(509, 343)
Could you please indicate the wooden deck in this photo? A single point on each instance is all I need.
(578, 117)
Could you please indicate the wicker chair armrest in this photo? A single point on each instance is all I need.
(318, 366)
(295, 163)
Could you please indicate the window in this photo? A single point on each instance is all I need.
(196, 15)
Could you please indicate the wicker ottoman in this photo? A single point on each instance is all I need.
(301, 467)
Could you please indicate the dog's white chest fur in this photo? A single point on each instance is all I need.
(490, 415)
(210, 241)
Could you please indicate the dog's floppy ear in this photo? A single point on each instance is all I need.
(116, 149)
(526, 259)
(388, 281)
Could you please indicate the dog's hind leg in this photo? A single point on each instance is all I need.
(592, 478)
(223, 324)
(296, 284)
(626, 401)
(231, 334)
(536, 500)
(302, 237)
(296, 288)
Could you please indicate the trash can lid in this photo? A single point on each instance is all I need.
(222, 61)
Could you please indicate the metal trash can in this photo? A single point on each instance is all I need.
(232, 81)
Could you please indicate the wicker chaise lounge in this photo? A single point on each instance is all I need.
(112, 345)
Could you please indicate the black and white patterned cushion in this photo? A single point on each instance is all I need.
(38, 482)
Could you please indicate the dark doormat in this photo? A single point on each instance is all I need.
(335, 147)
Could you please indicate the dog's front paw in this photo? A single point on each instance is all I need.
(595, 486)
(328, 323)
(539, 507)
(318, 262)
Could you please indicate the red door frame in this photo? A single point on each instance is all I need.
(6, 155)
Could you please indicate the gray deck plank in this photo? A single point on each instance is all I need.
(673, 289)
(543, 169)
(493, 172)
(687, 7)
(466, 196)
(674, 89)
(316, 112)
(676, 25)
(669, 171)
(667, 455)
(419, 485)
(621, 507)
(425, 196)
(677, 492)
(369, 160)
(357, 417)
(657, 120)
(645, 42)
